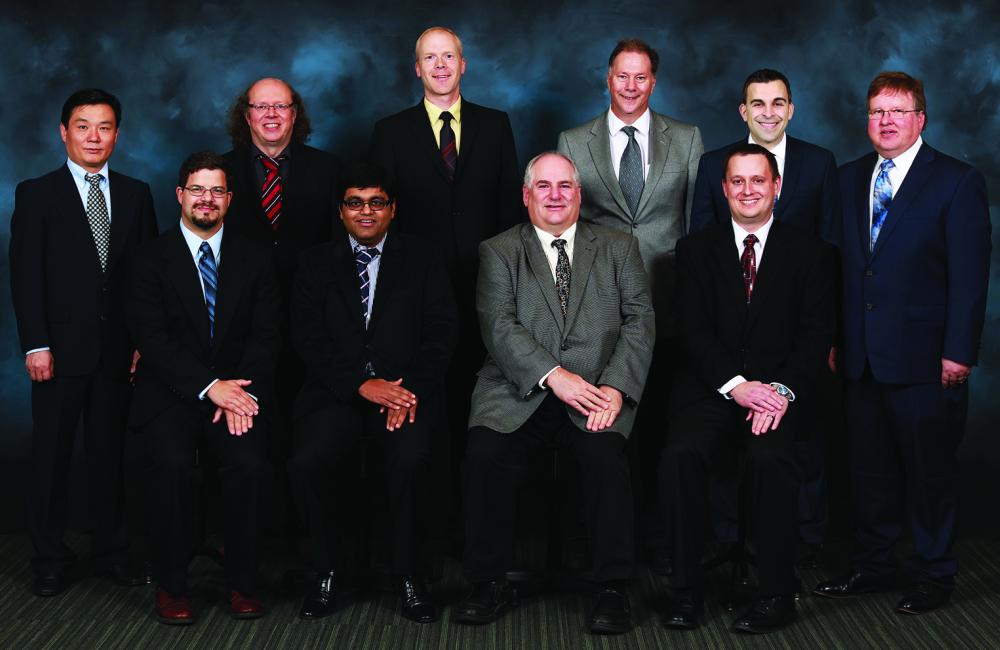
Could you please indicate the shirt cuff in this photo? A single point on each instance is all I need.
(41, 350)
(202, 394)
(731, 384)
(541, 382)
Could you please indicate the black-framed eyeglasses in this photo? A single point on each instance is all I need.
(894, 113)
(376, 203)
(264, 108)
(197, 190)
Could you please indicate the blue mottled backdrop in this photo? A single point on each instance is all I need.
(178, 66)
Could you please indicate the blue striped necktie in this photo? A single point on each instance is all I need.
(881, 199)
(210, 276)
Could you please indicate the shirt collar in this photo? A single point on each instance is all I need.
(355, 245)
(761, 233)
(568, 235)
(255, 152)
(434, 112)
(79, 172)
(778, 150)
(641, 125)
(193, 241)
(903, 161)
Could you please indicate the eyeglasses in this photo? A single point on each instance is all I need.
(894, 113)
(266, 108)
(197, 190)
(377, 203)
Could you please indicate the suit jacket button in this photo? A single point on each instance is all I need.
(868, 273)
(869, 307)
(563, 347)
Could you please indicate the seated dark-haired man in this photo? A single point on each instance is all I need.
(755, 311)
(203, 310)
(374, 318)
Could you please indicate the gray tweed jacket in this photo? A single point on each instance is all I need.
(607, 336)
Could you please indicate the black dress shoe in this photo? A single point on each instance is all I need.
(854, 584)
(487, 602)
(767, 615)
(48, 585)
(415, 603)
(612, 613)
(124, 576)
(321, 597)
(925, 597)
(685, 610)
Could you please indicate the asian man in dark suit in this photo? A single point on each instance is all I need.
(457, 183)
(567, 319)
(203, 311)
(916, 265)
(70, 232)
(756, 304)
(810, 200)
(375, 319)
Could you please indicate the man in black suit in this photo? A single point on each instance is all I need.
(203, 310)
(756, 310)
(809, 199)
(70, 232)
(375, 319)
(284, 196)
(457, 184)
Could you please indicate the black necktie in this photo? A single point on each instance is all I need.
(749, 262)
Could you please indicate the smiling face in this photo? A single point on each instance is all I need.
(553, 199)
(440, 67)
(204, 214)
(750, 188)
(91, 136)
(630, 82)
(889, 135)
(270, 129)
(767, 112)
(366, 225)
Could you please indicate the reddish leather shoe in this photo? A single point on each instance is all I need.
(242, 606)
(173, 611)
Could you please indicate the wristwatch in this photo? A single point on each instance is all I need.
(783, 390)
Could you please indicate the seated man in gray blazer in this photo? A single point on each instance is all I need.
(566, 316)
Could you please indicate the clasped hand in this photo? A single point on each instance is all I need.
(765, 407)
(601, 405)
(398, 403)
(235, 403)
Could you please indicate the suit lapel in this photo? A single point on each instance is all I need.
(470, 130)
(345, 275)
(727, 257)
(388, 279)
(600, 152)
(768, 275)
(184, 275)
(793, 165)
(420, 128)
(915, 180)
(543, 274)
(659, 146)
(862, 207)
(231, 283)
(76, 224)
(121, 219)
(584, 253)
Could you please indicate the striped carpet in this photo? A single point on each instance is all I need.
(92, 613)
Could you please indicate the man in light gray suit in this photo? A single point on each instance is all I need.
(638, 170)
(566, 316)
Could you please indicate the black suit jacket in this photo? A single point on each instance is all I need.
(62, 299)
(809, 195)
(412, 330)
(168, 320)
(783, 335)
(482, 201)
(308, 212)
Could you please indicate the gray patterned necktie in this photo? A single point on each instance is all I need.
(562, 274)
(97, 215)
(630, 176)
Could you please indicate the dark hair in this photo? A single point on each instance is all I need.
(751, 149)
(636, 45)
(900, 82)
(91, 97)
(364, 173)
(202, 160)
(763, 76)
(239, 130)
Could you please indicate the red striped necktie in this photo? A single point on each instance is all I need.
(449, 148)
(270, 191)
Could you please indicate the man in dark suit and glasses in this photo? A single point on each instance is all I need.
(916, 267)
(374, 318)
(566, 316)
(70, 232)
(755, 306)
(203, 310)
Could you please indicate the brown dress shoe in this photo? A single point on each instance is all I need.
(244, 606)
(171, 610)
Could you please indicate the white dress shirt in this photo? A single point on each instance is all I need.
(619, 140)
(901, 167)
(373, 267)
(552, 256)
(778, 151)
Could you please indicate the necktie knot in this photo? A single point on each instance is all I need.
(365, 255)
(887, 165)
(629, 131)
(446, 117)
(205, 249)
(559, 244)
(271, 164)
(93, 179)
(750, 240)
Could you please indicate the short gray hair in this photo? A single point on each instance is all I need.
(529, 171)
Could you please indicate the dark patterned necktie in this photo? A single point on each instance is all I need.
(749, 262)
(210, 276)
(881, 199)
(630, 176)
(97, 215)
(562, 274)
(270, 191)
(449, 149)
(362, 258)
